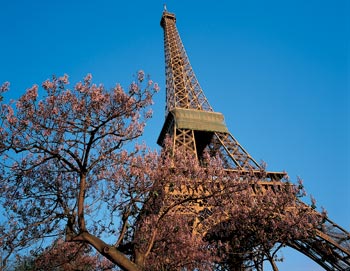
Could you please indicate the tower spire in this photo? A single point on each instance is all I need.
(190, 119)
(183, 89)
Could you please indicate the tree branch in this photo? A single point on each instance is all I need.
(109, 252)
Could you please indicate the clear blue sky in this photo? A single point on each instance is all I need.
(277, 70)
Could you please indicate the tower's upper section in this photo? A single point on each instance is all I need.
(182, 87)
(190, 121)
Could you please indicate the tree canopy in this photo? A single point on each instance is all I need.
(68, 171)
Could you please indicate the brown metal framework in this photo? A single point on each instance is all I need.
(194, 126)
(190, 119)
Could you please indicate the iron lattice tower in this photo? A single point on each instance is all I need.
(194, 126)
(190, 119)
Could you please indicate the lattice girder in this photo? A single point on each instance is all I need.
(183, 89)
(236, 153)
(185, 139)
(330, 248)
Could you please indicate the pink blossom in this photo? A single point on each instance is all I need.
(79, 87)
(48, 85)
(54, 111)
(32, 93)
(134, 88)
(141, 75)
(96, 93)
(156, 87)
(11, 118)
(4, 87)
(88, 78)
(64, 79)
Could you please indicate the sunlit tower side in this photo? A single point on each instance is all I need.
(190, 119)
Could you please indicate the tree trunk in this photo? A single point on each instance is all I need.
(81, 198)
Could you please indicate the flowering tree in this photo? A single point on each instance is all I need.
(59, 158)
(67, 171)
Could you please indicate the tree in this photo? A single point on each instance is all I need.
(68, 170)
(60, 155)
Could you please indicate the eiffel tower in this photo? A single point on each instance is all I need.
(195, 126)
